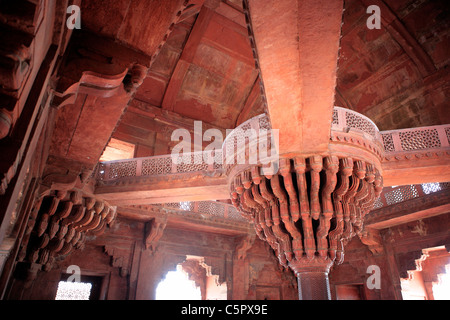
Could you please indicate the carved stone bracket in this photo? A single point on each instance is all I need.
(153, 232)
(120, 258)
(310, 220)
(59, 223)
(244, 245)
(372, 238)
(409, 261)
(197, 273)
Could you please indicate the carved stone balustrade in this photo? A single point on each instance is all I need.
(416, 155)
(110, 171)
(350, 134)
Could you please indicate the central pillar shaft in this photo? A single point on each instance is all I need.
(312, 277)
(313, 286)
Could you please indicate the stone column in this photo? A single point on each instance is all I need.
(313, 282)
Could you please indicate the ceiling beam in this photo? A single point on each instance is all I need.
(186, 58)
(193, 186)
(297, 45)
(168, 117)
(249, 102)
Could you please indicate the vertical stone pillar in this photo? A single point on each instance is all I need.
(312, 278)
(313, 286)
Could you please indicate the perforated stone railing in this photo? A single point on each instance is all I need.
(157, 165)
(416, 139)
(237, 146)
(346, 120)
(398, 194)
(249, 143)
(208, 208)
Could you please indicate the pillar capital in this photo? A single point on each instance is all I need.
(313, 204)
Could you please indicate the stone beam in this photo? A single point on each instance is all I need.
(186, 58)
(403, 170)
(411, 210)
(199, 222)
(165, 189)
(89, 113)
(416, 155)
(297, 44)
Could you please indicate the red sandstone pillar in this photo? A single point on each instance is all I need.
(313, 283)
(313, 286)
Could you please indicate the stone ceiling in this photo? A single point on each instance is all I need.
(204, 68)
(397, 75)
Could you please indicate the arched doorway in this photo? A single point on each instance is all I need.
(192, 280)
(431, 278)
(177, 286)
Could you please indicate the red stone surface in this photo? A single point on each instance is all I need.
(182, 61)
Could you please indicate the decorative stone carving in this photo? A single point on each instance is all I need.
(372, 238)
(243, 246)
(63, 220)
(120, 258)
(333, 196)
(153, 232)
(309, 207)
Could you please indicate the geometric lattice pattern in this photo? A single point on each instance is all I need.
(388, 142)
(212, 208)
(431, 187)
(378, 203)
(237, 140)
(419, 139)
(234, 214)
(73, 291)
(159, 165)
(401, 194)
(264, 123)
(184, 205)
(122, 169)
(191, 162)
(335, 118)
(358, 122)
(156, 165)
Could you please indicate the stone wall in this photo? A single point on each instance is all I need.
(127, 270)
(402, 246)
